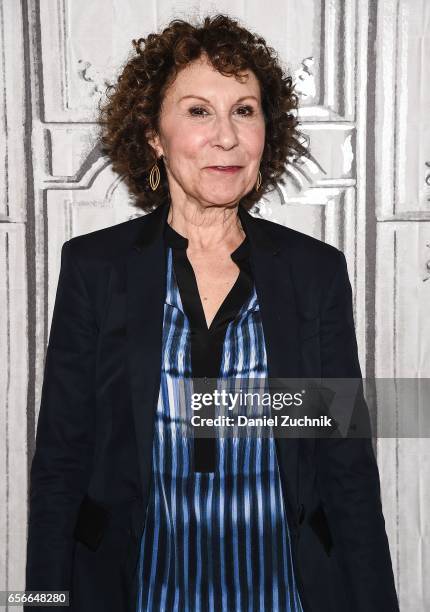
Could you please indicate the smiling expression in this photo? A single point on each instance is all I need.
(208, 120)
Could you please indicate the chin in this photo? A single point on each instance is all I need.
(221, 199)
(223, 202)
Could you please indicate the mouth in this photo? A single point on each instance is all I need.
(228, 169)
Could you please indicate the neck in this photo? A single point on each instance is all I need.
(207, 228)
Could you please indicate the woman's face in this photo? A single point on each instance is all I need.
(207, 120)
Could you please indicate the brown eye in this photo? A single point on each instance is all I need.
(249, 109)
(196, 108)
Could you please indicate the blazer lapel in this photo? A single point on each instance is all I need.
(271, 266)
(146, 289)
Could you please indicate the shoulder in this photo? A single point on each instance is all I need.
(303, 251)
(314, 266)
(97, 254)
(107, 243)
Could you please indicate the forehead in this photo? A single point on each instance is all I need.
(201, 78)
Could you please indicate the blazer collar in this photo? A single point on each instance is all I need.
(259, 238)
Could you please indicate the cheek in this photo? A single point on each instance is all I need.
(257, 140)
(187, 145)
(253, 140)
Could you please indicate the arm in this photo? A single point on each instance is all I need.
(64, 440)
(347, 472)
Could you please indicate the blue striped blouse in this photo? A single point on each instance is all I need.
(219, 540)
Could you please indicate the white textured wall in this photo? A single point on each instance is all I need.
(361, 71)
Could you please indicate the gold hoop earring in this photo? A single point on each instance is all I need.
(154, 177)
(259, 181)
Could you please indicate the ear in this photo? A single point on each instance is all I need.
(154, 141)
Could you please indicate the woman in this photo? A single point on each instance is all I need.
(125, 512)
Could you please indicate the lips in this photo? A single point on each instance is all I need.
(224, 168)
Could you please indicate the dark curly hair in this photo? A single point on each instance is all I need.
(131, 109)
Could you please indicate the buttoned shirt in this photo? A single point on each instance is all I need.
(216, 535)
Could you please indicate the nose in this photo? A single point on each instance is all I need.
(225, 134)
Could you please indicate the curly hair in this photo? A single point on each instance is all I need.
(131, 109)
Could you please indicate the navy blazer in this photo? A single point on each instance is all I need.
(92, 468)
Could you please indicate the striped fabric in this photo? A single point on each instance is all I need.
(215, 541)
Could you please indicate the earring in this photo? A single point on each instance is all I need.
(154, 177)
(259, 181)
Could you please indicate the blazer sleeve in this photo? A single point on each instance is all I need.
(347, 472)
(64, 439)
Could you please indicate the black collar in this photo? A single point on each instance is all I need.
(259, 234)
(175, 240)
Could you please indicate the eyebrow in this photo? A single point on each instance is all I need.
(208, 101)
